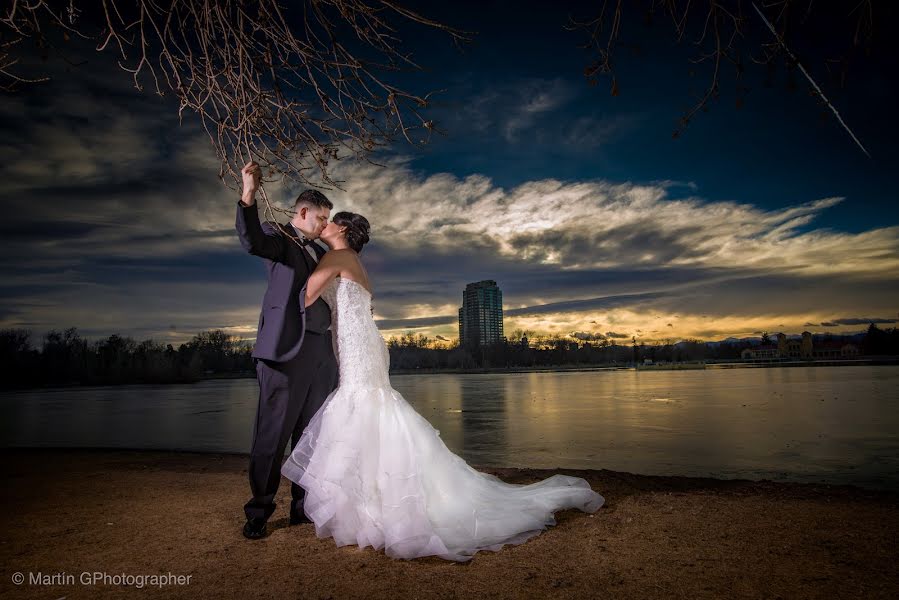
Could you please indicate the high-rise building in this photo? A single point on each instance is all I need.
(481, 315)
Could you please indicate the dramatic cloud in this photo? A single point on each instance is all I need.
(117, 222)
(601, 225)
(588, 336)
(862, 321)
(585, 249)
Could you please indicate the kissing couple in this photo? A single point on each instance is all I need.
(365, 467)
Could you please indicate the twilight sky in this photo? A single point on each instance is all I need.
(590, 217)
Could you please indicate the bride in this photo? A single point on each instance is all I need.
(376, 473)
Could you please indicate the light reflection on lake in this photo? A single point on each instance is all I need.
(833, 424)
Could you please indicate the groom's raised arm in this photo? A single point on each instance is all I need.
(266, 242)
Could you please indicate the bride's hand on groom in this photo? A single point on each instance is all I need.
(251, 173)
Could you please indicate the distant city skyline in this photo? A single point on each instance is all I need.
(620, 339)
(522, 321)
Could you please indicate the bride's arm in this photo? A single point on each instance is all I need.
(328, 268)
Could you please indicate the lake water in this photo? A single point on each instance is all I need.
(812, 424)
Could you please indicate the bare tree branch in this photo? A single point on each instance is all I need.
(720, 26)
(283, 89)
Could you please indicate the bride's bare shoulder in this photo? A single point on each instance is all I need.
(348, 265)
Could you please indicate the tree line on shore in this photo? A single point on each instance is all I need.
(523, 350)
(66, 358)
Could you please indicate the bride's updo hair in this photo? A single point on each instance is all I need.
(357, 229)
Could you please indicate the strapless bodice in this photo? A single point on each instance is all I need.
(362, 356)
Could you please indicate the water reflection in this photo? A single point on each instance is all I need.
(211, 416)
(836, 424)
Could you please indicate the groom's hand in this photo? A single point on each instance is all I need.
(251, 174)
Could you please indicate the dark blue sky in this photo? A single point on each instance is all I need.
(591, 218)
(780, 148)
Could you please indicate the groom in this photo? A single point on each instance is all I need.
(295, 363)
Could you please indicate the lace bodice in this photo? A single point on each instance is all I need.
(362, 356)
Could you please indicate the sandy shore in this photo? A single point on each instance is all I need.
(66, 512)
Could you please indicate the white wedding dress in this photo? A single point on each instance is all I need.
(377, 473)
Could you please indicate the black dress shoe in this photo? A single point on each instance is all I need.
(254, 529)
(298, 518)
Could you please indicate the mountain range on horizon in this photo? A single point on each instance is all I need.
(756, 340)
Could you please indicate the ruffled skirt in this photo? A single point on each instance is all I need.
(377, 473)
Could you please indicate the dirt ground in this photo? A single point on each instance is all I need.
(68, 512)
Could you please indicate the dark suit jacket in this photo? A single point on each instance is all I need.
(284, 318)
